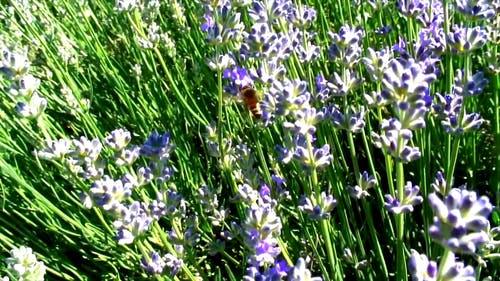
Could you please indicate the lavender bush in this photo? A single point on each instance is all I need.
(128, 153)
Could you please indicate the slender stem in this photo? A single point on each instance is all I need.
(400, 220)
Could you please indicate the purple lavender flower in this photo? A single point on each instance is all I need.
(268, 71)
(346, 48)
(269, 12)
(390, 141)
(473, 86)
(421, 268)
(412, 8)
(469, 122)
(460, 220)
(275, 272)
(238, 76)
(410, 199)
(157, 147)
(227, 27)
(32, 108)
(300, 273)
(301, 16)
(127, 155)
(366, 182)
(25, 87)
(376, 62)
(173, 263)
(319, 158)
(465, 39)
(133, 221)
(118, 139)
(290, 96)
(305, 121)
(342, 85)
(439, 184)
(406, 80)
(153, 263)
(433, 15)
(475, 10)
(108, 193)
(55, 149)
(303, 45)
(352, 121)
(14, 65)
(318, 210)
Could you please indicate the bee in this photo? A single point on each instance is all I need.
(250, 97)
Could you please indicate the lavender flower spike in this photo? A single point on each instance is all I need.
(460, 221)
(410, 199)
(421, 268)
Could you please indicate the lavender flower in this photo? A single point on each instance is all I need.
(23, 265)
(439, 184)
(434, 14)
(345, 84)
(25, 87)
(366, 182)
(261, 227)
(290, 96)
(421, 268)
(269, 12)
(118, 139)
(32, 108)
(317, 210)
(409, 199)
(317, 158)
(352, 121)
(469, 122)
(133, 221)
(300, 273)
(473, 86)
(376, 62)
(475, 9)
(412, 8)
(157, 147)
(238, 76)
(226, 29)
(305, 122)
(304, 48)
(14, 65)
(275, 272)
(108, 193)
(55, 149)
(153, 263)
(173, 263)
(346, 48)
(406, 81)
(461, 220)
(465, 39)
(301, 16)
(127, 155)
(390, 141)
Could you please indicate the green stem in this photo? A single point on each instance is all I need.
(400, 220)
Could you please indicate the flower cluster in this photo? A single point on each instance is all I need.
(24, 87)
(317, 209)
(422, 269)
(449, 108)
(85, 158)
(147, 32)
(366, 181)
(409, 199)
(460, 222)
(23, 265)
